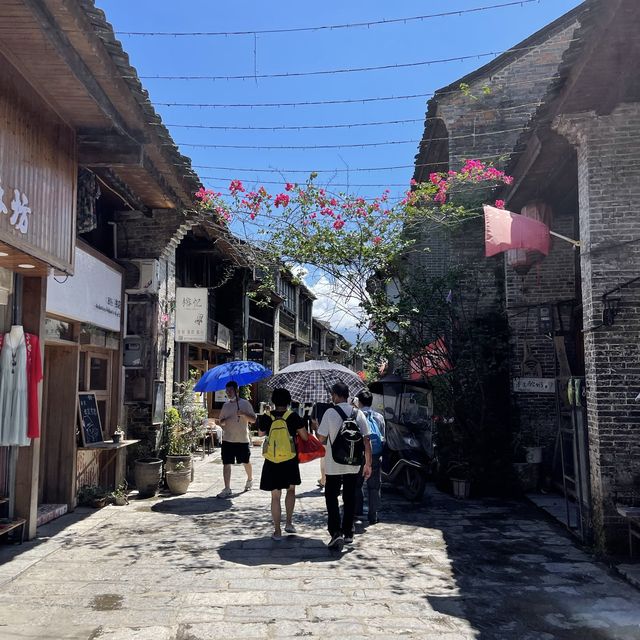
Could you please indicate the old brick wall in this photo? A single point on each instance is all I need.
(551, 281)
(153, 236)
(486, 122)
(609, 190)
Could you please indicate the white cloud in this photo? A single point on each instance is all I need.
(336, 305)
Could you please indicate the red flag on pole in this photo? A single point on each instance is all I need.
(505, 230)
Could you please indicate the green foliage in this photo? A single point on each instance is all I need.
(473, 442)
(88, 494)
(245, 392)
(184, 421)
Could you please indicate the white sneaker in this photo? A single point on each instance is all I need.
(248, 485)
(225, 493)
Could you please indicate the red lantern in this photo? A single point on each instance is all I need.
(521, 260)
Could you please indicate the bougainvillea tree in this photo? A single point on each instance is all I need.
(354, 242)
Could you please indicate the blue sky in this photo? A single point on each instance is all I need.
(431, 39)
(468, 34)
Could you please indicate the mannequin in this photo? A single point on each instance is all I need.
(16, 333)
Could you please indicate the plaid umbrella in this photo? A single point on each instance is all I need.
(311, 381)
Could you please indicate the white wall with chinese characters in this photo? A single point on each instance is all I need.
(93, 294)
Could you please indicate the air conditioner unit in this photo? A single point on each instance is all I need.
(148, 276)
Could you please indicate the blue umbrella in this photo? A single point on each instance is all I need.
(240, 371)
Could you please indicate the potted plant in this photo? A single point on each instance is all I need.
(147, 471)
(178, 479)
(460, 475)
(184, 425)
(119, 495)
(118, 435)
(178, 441)
(92, 496)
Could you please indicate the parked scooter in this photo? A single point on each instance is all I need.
(408, 451)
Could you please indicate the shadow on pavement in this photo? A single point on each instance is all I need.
(290, 550)
(505, 572)
(185, 506)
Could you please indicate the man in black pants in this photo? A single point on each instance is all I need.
(341, 475)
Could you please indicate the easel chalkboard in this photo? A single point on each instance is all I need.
(89, 419)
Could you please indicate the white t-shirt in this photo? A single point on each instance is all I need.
(331, 423)
(235, 427)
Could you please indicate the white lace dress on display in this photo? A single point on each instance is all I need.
(13, 393)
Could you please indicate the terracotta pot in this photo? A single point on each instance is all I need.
(147, 473)
(178, 481)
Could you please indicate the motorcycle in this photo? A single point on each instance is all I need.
(408, 452)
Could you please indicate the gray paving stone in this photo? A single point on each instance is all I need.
(194, 567)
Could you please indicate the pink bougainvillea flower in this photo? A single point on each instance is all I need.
(338, 224)
(235, 186)
(499, 204)
(377, 240)
(289, 186)
(413, 182)
(282, 199)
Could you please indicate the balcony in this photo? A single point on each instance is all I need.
(304, 332)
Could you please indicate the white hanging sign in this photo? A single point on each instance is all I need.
(192, 314)
(93, 294)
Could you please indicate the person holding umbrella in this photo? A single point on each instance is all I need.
(235, 415)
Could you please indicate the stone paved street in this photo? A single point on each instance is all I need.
(195, 567)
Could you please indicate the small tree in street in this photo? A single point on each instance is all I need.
(363, 247)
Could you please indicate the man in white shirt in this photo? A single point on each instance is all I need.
(340, 475)
(234, 418)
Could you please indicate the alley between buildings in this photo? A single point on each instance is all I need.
(194, 567)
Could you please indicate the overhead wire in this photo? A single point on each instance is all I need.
(299, 74)
(357, 169)
(346, 125)
(346, 145)
(332, 27)
(309, 103)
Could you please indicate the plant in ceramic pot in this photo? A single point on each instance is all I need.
(118, 435)
(147, 471)
(119, 494)
(178, 479)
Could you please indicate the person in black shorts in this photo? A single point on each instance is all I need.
(281, 475)
(235, 416)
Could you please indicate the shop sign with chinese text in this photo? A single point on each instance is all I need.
(38, 172)
(192, 317)
(534, 385)
(93, 294)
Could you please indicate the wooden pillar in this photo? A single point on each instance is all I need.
(34, 296)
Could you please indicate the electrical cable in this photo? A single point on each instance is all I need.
(331, 27)
(323, 72)
(346, 145)
(523, 106)
(389, 168)
(209, 105)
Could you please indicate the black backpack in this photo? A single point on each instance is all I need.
(348, 445)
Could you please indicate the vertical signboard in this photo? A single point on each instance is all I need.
(191, 314)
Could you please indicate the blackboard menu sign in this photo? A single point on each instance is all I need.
(89, 419)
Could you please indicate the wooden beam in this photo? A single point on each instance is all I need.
(106, 149)
(76, 64)
(116, 185)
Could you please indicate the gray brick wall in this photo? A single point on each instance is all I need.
(481, 125)
(609, 190)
